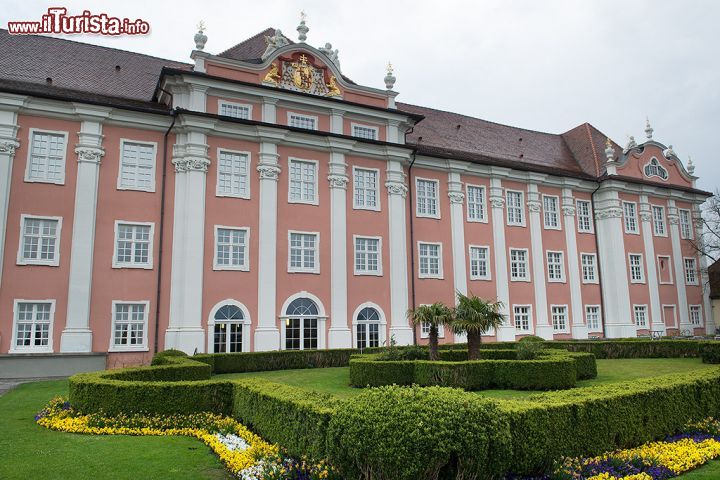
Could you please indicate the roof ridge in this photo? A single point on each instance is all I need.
(594, 150)
(100, 46)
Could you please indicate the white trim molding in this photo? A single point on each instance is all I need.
(31, 349)
(27, 177)
(316, 267)
(248, 176)
(56, 257)
(246, 322)
(377, 206)
(245, 266)
(429, 275)
(151, 245)
(316, 200)
(120, 186)
(379, 271)
(146, 322)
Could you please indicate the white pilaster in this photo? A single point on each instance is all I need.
(542, 326)
(339, 334)
(336, 121)
(267, 334)
(8, 144)
(656, 318)
(678, 266)
(457, 225)
(186, 329)
(269, 110)
(506, 333)
(397, 192)
(579, 328)
(613, 266)
(393, 132)
(77, 335)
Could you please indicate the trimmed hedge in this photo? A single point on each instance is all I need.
(280, 360)
(710, 352)
(633, 349)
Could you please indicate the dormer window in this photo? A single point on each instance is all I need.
(654, 169)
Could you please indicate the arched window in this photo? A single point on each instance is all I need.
(228, 329)
(654, 169)
(368, 328)
(301, 325)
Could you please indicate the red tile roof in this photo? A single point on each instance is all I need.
(250, 50)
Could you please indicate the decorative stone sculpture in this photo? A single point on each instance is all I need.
(200, 37)
(331, 54)
(648, 129)
(389, 78)
(302, 29)
(274, 42)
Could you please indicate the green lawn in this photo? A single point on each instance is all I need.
(28, 451)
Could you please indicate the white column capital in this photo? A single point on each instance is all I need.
(8, 146)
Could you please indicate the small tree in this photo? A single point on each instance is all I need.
(435, 316)
(473, 317)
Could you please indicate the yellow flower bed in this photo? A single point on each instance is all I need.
(679, 456)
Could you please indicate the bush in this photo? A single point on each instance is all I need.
(531, 339)
(639, 348)
(159, 358)
(394, 433)
(280, 360)
(710, 352)
(528, 350)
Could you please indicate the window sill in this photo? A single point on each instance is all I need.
(368, 274)
(135, 189)
(231, 268)
(122, 349)
(486, 279)
(231, 195)
(39, 180)
(132, 267)
(38, 263)
(30, 350)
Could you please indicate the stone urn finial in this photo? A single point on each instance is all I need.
(200, 37)
(389, 78)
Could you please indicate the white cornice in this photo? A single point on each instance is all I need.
(659, 191)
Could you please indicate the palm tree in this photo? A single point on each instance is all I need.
(435, 316)
(474, 316)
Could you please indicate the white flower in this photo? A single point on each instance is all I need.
(232, 442)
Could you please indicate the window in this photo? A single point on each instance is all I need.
(302, 121)
(137, 166)
(519, 265)
(427, 198)
(365, 188)
(46, 157)
(232, 174)
(640, 315)
(368, 328)
(425, 330)
(685, 224)
(231, 248)
(654, 169)
(630, 213)
(556, 266)
(303, 181)
(364, 131)
(559, 318)
(303, 252)
(690, 271)
(367, 256)
(637, 273)
(522, 314)
(592, 317)
(588, 263)
(129, 325)
(228, 329)
(695, 315)
(664, 269)
(584, 216)
(550, 212)
(235, 110)
(33, 326)
(301, 325)
(479, 266)
(133, 245)
(658, 221)
(515, 210)
(429, 255)
(40, 241)
(476, 204)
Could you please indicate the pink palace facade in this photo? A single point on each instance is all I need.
(259, 199)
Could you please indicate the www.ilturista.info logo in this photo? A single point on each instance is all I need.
(58, 21)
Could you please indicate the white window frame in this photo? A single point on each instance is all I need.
(562, 278)
(670, 269)
(373, 273)
(439, 275)
(488, 275)
(643, 308)
(32, 349)
(690, 315)
(655, 168)
(661, 209)
(314, 118)
(425, 330)
(382, 324)
(248, 156)
(245, 322)
(129, 348)
(531, 326)
(120, 186)
(556, 200)
(684, 225)
(567, 319)
(437, 198)
(526, 278)
(28, 178)
(695, 270)
(377, 207)
(674, 312)
(354, 125)
(316, 201)
(599, 314)
(634, 218)
(630, 267)
(151, 243)
(521, 223)
(56, 257)
(316, 267)
(591, 224)
(245, 266)
(249, 107)
(594, 268)
(483, 203)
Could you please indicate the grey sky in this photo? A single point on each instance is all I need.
(544, 65)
